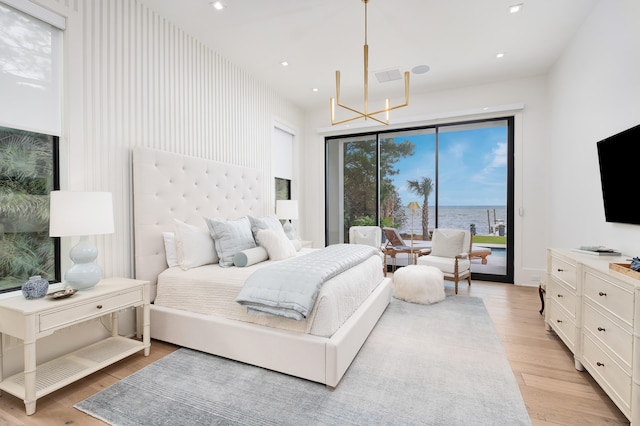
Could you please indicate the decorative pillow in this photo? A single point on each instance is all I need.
(265, 222)
(194, 246)
(277, 244)
(230, 237)
(170, 248)
(250, 256)
(447, 244)
(297, 244)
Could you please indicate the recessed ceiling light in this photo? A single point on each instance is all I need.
(284, 63)
(315, 89)
(217, 5)
(500, 55)
(420, 69)
(516, 8)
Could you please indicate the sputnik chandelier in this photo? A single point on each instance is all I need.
(365, 112)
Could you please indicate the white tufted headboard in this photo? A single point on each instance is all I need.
(169, 186)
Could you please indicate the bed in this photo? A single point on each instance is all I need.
(169, 187)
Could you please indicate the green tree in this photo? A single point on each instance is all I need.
(361, 177)
(423, 188)
(26, 178)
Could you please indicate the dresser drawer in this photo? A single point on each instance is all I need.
(93, 308)
(609, 333)
(611, 296)
(563, 296)
(564, 271)
(607, 373)
(563, 325)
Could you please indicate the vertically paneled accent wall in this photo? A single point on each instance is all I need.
(132, 78)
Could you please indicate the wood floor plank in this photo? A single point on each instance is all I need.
(555, 393)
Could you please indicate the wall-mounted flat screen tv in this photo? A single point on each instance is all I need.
(619, 158)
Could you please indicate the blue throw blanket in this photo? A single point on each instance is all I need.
(289, 288)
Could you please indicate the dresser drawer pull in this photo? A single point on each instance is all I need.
(599, 364)
(99, 306)
(601, 329)
(602, 293)
(560, 270)
(559, 321)
(560, 295)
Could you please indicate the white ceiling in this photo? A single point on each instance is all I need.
(458, 39)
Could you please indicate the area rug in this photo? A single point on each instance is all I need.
(439, 364)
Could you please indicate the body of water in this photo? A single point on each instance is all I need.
(459, 217)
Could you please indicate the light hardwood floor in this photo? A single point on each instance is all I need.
(553, 391)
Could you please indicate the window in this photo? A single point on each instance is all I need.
(460, 174)
(30, 124)
(283, 189)
(28, 173)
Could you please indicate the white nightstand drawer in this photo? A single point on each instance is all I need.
(97, 307)
(612, 297)
(610, 334)
(564, 271)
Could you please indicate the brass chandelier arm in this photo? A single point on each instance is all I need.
(366, 114)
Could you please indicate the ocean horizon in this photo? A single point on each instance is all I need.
(458, 217)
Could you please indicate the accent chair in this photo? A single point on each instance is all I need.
(449, 253)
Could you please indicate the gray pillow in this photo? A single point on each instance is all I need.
(230, 237)
(265, 222)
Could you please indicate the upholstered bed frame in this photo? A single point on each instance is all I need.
(168, 186)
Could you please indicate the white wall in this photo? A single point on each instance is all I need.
(132, 78)
(592, 92)
(525, 99)
(595, 93)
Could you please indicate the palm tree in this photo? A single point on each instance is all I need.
(423, 188)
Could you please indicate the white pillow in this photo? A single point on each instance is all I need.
(250, 256)
(230, 237)
(447, 244)
(194, 246)
(170, 249)
(277, 244)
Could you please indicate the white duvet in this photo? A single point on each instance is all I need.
(212, 290)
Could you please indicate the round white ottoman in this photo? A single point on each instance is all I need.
(419, 284)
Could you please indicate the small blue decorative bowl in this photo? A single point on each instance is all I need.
(35, 288)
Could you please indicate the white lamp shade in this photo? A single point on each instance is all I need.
(287, 209)
(74, 213)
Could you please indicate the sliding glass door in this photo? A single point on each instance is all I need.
(460, 176)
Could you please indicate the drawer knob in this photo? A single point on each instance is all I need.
(559, 321)
(99, 306)
(560, 270)
(559, 295)
(601, 329)
(599, 364)
(602, 293)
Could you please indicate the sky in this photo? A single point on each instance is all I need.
(472, 165)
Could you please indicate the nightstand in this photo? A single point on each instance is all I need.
(31, 320)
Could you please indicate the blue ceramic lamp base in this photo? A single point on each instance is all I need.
(84, 274)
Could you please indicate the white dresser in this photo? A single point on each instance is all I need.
(593, 310)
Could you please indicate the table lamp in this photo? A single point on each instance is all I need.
(287, 210)
(81, 214)
(413, 206)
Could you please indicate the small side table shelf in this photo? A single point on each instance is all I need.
(31, 320)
